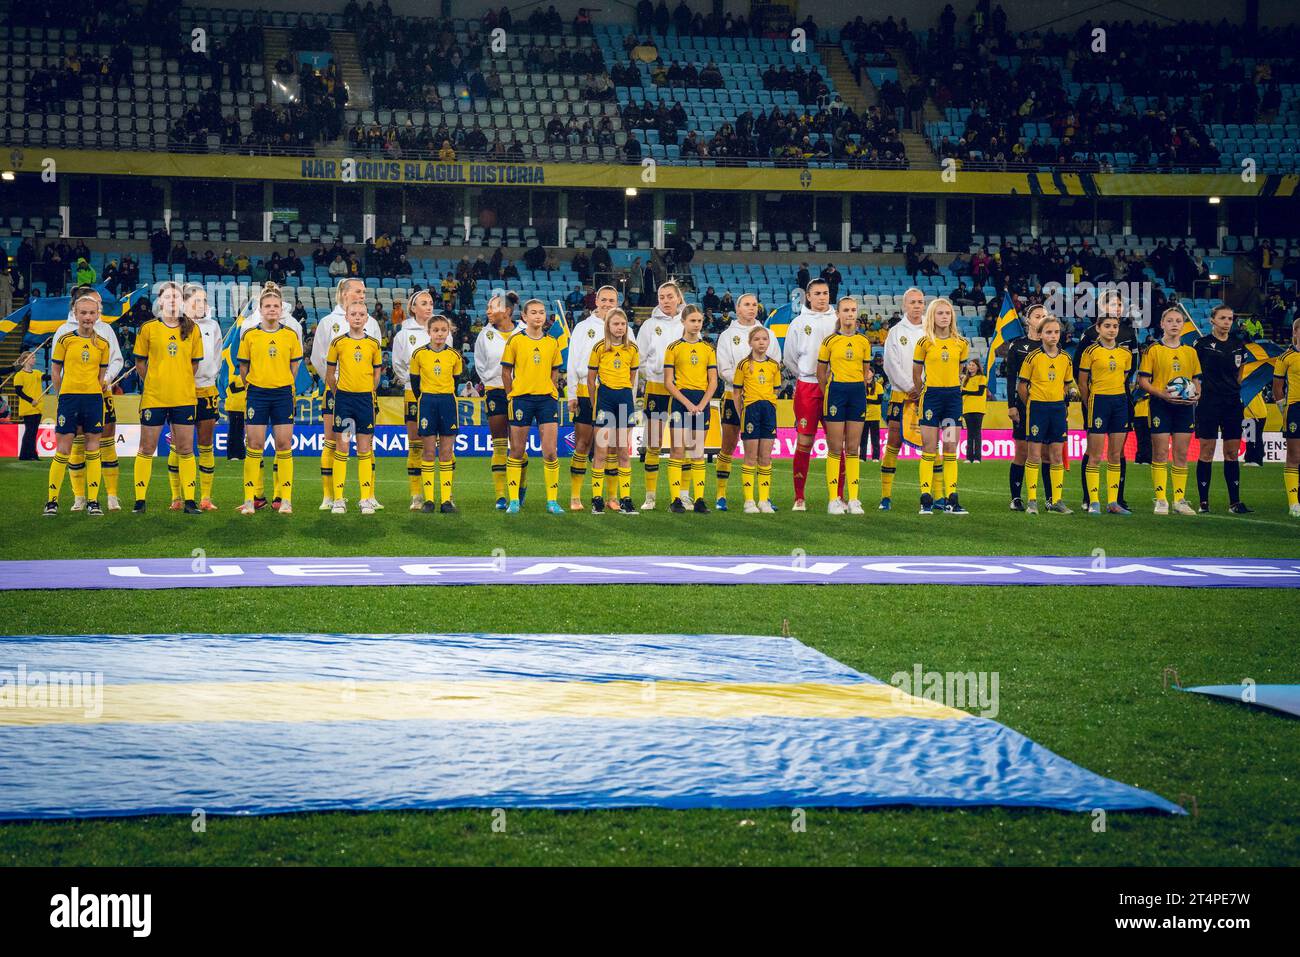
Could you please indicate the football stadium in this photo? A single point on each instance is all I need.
(650, 434)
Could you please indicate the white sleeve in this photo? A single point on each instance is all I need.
(792, 346)
(481, 358)
(571, 373)
(320, 347)
(401, 359)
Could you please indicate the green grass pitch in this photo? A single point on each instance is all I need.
(1080, 667)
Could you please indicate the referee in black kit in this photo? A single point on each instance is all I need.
(1110, 305)
(1219, 410)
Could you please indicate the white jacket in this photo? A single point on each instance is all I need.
(582, 340)
(409, 337)
(333, 325)
(488, 349)
(653, 339)
(804, 338)
(733, 346)
(102, 328)
(287, 320)
(900, 353)
(205, 373)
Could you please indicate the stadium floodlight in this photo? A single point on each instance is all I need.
(1215, 200)
(7, 176)
(630, 191)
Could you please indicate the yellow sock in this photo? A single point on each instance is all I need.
(888, 466)
(598, 478)
(699, 476)
(748, 474)
(1112, 485)
(852, 473)
(939, 481)
(927, 472)
(415, 467)
(624, 481)
(688, 471)
(93, 474)
(58, 469)
(253, 472)
(366, 474)
(109, 454)
(674, 478)
(1159, 476)
(1032, 471)
(552, 470)
(259, 480)
(764, 483)
(652, 471)
(499, 456)
(340, 472)
(143, 471)
(514, 470)
(1092, 475)
(284, 474)
(77, 466)
(447, 478)
(577, 473)
(429, 479)
(1180, 481)
(1058, 481)
(327, 467)
(1291, 479)
(950, 475)
(207, 471)
(832, 479)
(722, 469)
(174, 474)
(189, 469)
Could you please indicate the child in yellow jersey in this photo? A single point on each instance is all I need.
(612, 371)
(974, 403)
(754, 399)
(936, 368)
(870, 445)
(28, 387)
(269, 355)
(353, 365)
(1286, 390)
(79, 367)
(1172, 416)
(530, 374)
(434, 369)
(691, 378)
(205, 407)
(167, 351)
(410, 334)
(1046, 382)
(1104, 369)
(843, 369)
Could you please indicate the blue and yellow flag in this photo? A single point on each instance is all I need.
(45, 314)
(778, 321)
(1191, 331)
(559, 329)
(1008, 327)
(1258, 370)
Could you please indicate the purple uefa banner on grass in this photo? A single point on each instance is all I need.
(219, 572)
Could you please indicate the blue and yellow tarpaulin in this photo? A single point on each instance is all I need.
(260, 724)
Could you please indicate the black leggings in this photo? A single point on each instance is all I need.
(31, 424)
(1255, 449)
(870, 437)
(974, 436)
(235, 436)
(1142, 429)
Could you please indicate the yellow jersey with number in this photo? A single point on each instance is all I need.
(614, 365)
(691, 362)
(943, 360)
(83, 360)
(355, 361)
(270, 356)
(845, 356)
(170, 358)
(434, 371)
(532, 364)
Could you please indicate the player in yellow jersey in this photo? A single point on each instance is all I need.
(690, 368)
(412, 334)
(1104, 369)
(1286, 390)
(753, 397)
(434, 368)
(1167, 361)
(29, 387)
(1046, 383)
(168, 350)
(79, 369)
(937, 365)
(269, 355)
(488, 349)
(612, 370)
(205, 408)
(353, 364)
(584, 337)
(870, 445)
(843, 369)
(530, 374)
(663, 328)
(974, 403)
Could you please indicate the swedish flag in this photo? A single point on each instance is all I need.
(779, 321)
(44, 315)
(559, 329)
(1009, 327)
(1191, 331)
(1256, 372)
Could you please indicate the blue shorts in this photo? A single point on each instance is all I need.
(269, 406)
(615, 408)
(1168, 418)
(584, 416)
(729, 416)
(1291, 427)
(1108, 414)
(110, 413)
(941, 406)
(205, 408)
(760, 421)
(657, 403)
(894, 407)
(160, 414)
(845, 402)
(527, 409)
(84, 411)
(354, 412)
(679, 418)
(410, 410)
(438, 414)
(327, 407)
(496, 403)
(1047, 422)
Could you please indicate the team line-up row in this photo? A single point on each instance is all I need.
(1186, 388)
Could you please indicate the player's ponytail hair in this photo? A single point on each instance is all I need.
(627, 329)
(343, 285)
